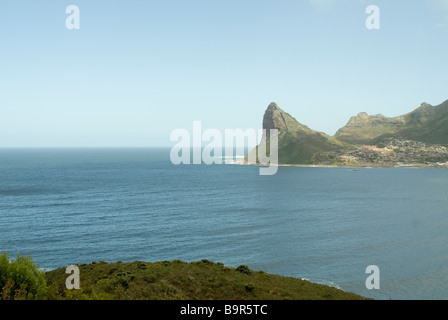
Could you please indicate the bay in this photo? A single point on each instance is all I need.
(73, 206)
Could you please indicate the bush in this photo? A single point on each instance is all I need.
(21, 279)
(250, 287)
(206, 261)
(243, 269)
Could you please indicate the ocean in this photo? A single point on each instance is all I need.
(326, 225)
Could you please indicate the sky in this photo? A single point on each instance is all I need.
(137, 70)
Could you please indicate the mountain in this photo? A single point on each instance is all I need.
(297, 144)
(426, 124)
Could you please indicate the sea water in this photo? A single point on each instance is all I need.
(327, 225)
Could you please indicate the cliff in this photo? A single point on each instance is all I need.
(297, 144)
(416, 138)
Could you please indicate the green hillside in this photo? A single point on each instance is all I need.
(426, 124)
(297, 144)
(178, 280)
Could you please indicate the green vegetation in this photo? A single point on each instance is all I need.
(21, 279)
(300, 145)
(297, 144)
(428, 124)
(178, 280)
(167, 280)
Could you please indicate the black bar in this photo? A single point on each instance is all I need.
(197, 309)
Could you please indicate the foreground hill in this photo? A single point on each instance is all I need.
(177, 280)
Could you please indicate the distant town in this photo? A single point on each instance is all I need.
(393, 152)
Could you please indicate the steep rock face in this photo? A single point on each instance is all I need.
(297, 144)
(276, 118)
(273, 118)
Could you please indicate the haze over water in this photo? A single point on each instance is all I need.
(73, 206)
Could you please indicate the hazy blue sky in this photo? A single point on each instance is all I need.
(136, 70)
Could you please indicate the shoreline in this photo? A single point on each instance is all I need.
(365, 166)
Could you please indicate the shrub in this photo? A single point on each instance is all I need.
(21, 279)
(250, 287)
(243, 269)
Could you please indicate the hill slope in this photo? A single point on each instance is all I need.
(168, 280)
(426, 124)
(297, 144)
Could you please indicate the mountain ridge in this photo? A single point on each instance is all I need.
(299, 144)
(418, 125)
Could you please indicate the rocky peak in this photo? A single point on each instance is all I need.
(274, 118)
(273, 106)
(425, 105)
(358, 120)
(363, 119)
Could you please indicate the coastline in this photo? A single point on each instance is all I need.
(352, 166)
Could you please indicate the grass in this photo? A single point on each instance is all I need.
(178, 280)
